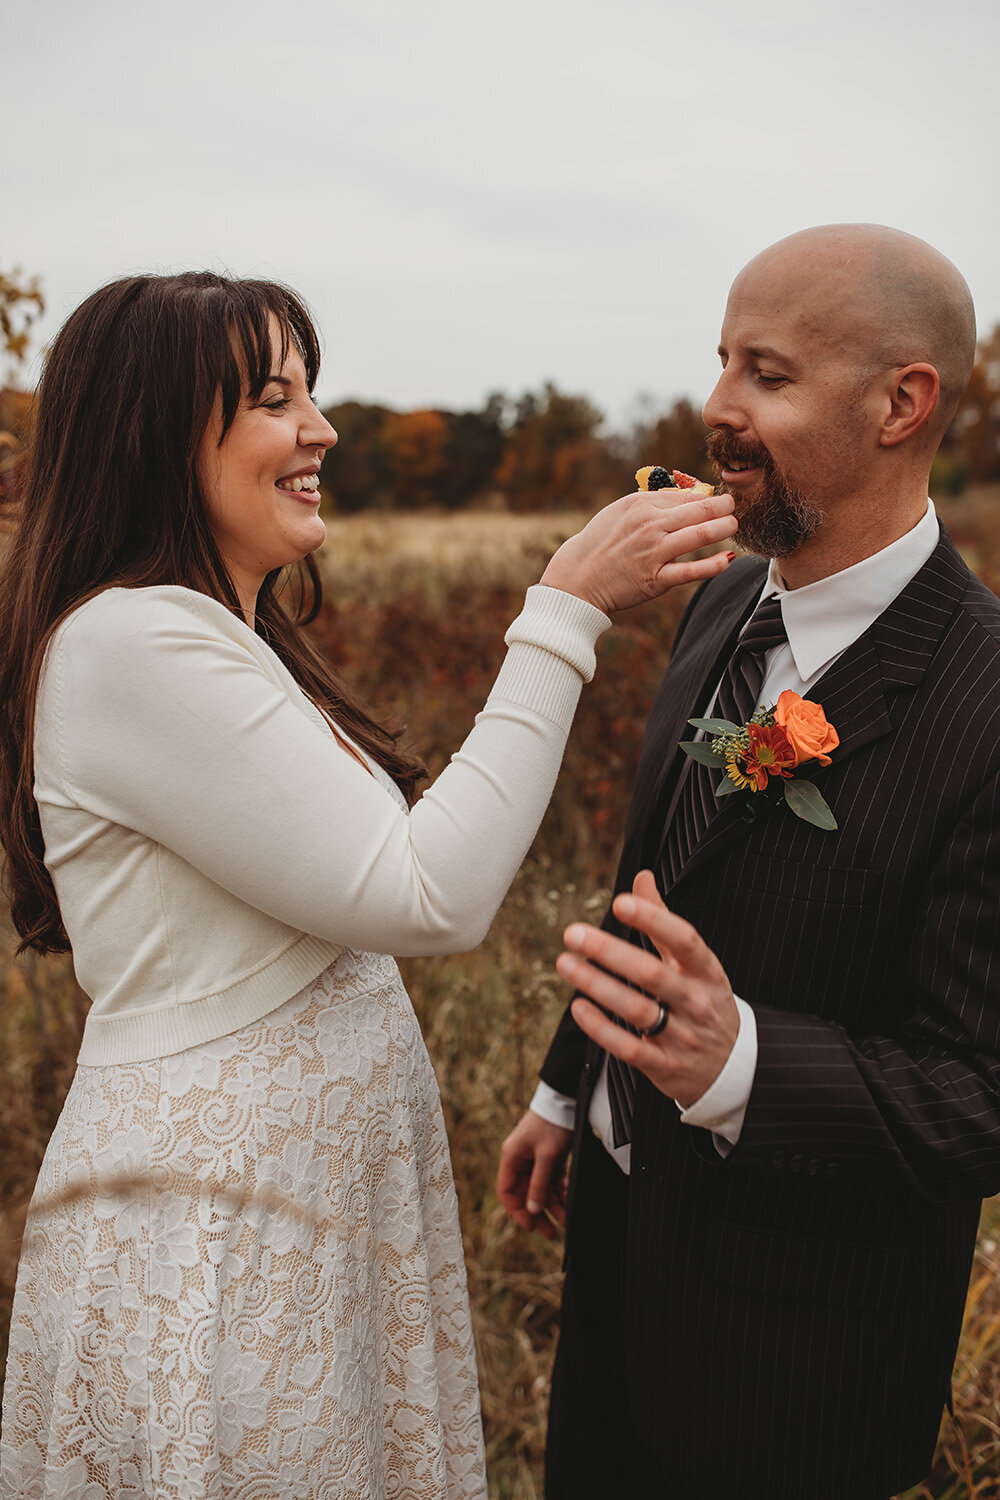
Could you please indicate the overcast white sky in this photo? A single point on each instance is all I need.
(482, 194)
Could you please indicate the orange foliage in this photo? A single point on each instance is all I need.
(416, 446)
(16, 409)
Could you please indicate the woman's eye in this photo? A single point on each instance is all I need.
(278, 404)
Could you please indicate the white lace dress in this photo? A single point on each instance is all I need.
(242, 1274)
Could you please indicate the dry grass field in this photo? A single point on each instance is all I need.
(415, 617)
(379, 550)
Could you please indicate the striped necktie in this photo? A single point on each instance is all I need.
(736, 700)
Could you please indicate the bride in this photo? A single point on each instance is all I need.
(242, 1273)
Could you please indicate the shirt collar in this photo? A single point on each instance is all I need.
(823, 618)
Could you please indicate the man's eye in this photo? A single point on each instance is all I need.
(770, 380)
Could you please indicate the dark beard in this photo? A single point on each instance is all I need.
(776, 519)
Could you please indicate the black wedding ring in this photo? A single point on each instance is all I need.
(658, 1024)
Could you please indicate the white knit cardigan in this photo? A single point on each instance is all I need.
(212, 846)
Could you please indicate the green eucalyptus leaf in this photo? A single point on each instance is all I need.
(715, 726)
(726, 788)
(807, 801)
(700, 751)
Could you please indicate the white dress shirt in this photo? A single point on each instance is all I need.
(821, 620)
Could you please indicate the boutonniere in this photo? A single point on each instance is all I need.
(774, 743)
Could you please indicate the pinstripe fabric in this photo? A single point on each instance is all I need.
(738, 698)
(809, 1288)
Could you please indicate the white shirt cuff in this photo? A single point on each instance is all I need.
(723, 1105)
(557, 1108)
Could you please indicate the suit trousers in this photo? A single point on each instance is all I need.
(594, 1451)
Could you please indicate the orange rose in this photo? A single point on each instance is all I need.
(806, 727)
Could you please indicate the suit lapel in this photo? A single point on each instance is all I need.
(696, 665)
(892, 655)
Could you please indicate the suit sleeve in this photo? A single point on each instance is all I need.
(921, 1106)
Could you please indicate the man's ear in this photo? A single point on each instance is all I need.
(912, 401)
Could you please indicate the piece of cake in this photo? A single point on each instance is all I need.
(654, 477)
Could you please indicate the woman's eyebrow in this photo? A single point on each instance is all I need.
(278, 380)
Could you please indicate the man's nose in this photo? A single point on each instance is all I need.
(721, 409)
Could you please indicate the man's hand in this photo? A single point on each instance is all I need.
(689, 1054)
(531, 1182)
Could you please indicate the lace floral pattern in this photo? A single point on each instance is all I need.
(242, 1274)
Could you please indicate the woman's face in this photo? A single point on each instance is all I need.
(260, 483)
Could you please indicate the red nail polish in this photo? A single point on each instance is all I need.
(730, 556)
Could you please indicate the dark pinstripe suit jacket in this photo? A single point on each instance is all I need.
(795, 1308)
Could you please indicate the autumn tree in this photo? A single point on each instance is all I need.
(356, 473)
(974, 437)
(473, 451)
(553, 456)
(21, 302)
(675, 439)
(416, 444)
(390, 460)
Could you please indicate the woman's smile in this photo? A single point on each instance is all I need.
(260, 522)
(306, 483)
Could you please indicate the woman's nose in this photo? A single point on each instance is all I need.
(318, 433)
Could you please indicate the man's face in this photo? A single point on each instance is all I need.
(790, 414)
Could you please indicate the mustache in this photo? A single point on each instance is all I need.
(725, 448)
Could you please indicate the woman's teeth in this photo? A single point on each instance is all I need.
(300, 482)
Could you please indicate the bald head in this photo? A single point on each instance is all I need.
(887, 297)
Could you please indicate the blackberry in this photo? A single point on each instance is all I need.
(660, 479)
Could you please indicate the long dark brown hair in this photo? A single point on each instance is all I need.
(110, 497)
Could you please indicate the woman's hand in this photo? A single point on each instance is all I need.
(628, 552)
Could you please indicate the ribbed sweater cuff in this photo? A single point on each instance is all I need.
(554, 631)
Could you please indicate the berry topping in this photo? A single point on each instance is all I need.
(655, 478)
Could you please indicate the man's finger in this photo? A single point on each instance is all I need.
(511, 1177)
(633, 1050)
(616, 955)
(524, 1189)
(671, 935)
(531, 1174)
(644, 886)
(540, 1187)
(663, 973)
(612, 994)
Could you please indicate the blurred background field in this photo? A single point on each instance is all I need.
(415, 615)
(437, 521)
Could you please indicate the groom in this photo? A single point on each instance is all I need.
(778, 1163)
